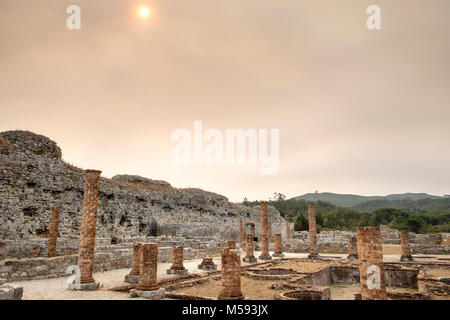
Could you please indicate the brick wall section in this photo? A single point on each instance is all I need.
(241, 233)
(53, 235)
(148, 267)
(88, 225)
(249, 246)
(178, 257)
(352, 248)
(264, 231)
(135, 260)
(313, 248)
(406, 246)
(231, 275)
(371, 270)
(278, 246)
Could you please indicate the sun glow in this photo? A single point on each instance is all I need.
(144, 12)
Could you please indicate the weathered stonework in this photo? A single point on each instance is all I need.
(241, 233)
(88, 228)
(133, 276)
(207, 264)
(147, 286)
(352, 249)
(278, 251)
(406, 247)
(288, 231)
(53, 236)
(231, 244)
(177, 264)
(264, 233)
(250, 228)
(249, 249)
(313, 248)
(371, 269)
(231, 275)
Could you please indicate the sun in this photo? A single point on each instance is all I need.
(144, 12)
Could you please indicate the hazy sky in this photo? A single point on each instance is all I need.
(359, 111)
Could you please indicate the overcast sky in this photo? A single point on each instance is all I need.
(359, 111)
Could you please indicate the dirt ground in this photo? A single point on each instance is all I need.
(439, 273)
(302, 266)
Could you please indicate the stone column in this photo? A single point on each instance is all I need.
(406, 246)
(133, 276)
(371, 270)
(231, 244)
(269, 226)
(264, 233)
(250, 228)
(207, 264)
(352, 249)
(88, 230)
(241, 233)
(313, 248)
(177, 264)
(231, 275)
(148, 284)
(53, 236)
(249, 247)
(278, 252)
(288, 230)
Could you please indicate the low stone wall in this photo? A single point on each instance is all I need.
(115, 258)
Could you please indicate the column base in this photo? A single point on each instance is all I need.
(131, 278)
(8, 292)
(207, 266)
(352, 257)
(406, 258)
(231, 298)
(268, 257)
(151, 295)
(92, 286)
(251, 259)
(181, 271)
(313, 256)
(278, 255)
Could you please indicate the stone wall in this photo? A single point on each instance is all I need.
(34, 179)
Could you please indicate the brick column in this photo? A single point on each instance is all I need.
(250, 228)
(249, 247)
(241, 233)
(148, 282)
(269, 226)
(406, 246)
(288, 230)
(371, 270)
(352, 249)
(177, 263)
(231, 275)
(278, 252)
(231, 244)
(88, 229)
(313, 248)
(264, 233)
(53, 236)
(133, 276)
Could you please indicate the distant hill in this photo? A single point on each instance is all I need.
(427, 204)
(353, 200)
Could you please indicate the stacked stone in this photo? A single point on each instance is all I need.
(249, 247)
(87, 234)
(241, 233)
(177, 264)
(264, 232)
(269, 226)
(288, 230)
(231, 275)
(370, 256)
(231, 244)
(53, 236)
(313, 247)
(352, 248)
(278, 252)
(250, 228)
(133, 276)
(406, 246)
(207, 264)
(147, 286)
